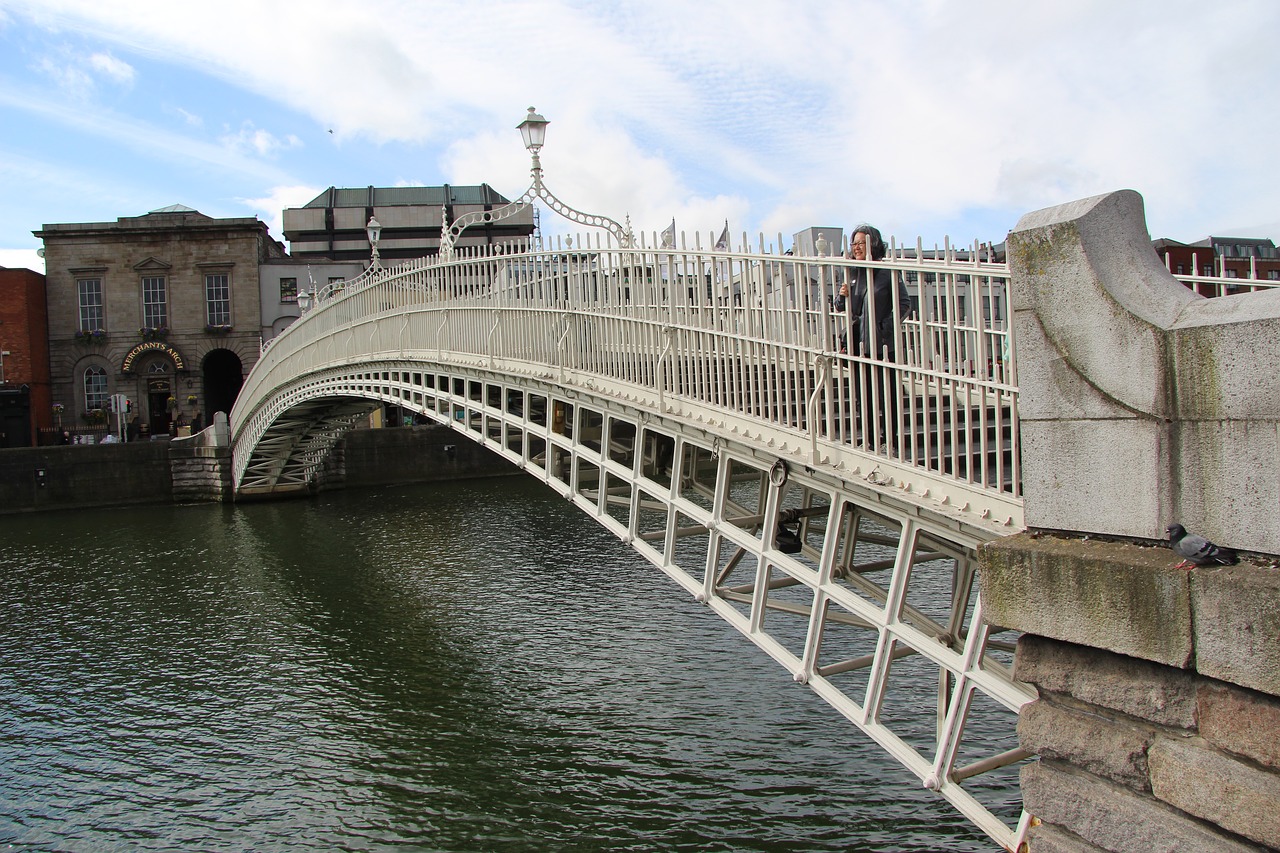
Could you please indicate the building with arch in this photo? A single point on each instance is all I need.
(163, 309)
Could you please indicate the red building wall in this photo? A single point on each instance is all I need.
(24, 338)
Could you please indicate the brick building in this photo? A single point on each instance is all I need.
(163, 308)
(1221, 257)
(26, 403)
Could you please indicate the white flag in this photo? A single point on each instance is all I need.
(669, 236)
(722, 245)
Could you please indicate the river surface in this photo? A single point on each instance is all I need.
(473, 666)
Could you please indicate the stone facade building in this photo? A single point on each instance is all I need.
(163, 309)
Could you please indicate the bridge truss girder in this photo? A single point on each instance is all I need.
(293, 449)
(854, 589)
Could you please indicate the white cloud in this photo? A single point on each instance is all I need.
(137, 134)
(16, 259)
(261, 142)
(109, 66)
(270, 208)
(919, 115)
(78, 76)
(73, 80)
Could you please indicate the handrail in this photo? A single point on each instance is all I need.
(740, 331)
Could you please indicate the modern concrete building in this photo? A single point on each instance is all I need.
(332, 225)
(162, 308)
(26, 406)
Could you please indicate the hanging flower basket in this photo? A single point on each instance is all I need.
(89, 336)
(171, 404)
(191, 399)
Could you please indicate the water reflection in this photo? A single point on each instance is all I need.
(474, 666)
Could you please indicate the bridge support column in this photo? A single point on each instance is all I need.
(1141, 403)
(1158, 720)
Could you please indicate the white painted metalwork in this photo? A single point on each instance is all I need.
(533, 129)
(696, 403)
(747, 341)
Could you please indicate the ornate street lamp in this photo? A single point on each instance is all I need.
(304, 302)
(374, 230)
(533, 130)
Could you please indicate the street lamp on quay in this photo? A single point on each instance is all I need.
(533, 130)
(374, 230)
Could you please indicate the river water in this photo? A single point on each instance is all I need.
(473, 666)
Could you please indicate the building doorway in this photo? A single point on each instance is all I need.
(158, 416)
(15, 417)
(223, 374)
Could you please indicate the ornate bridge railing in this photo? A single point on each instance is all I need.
(746, 337)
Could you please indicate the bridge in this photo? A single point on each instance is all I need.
(696, 401)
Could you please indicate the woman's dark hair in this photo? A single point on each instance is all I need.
(876, 248)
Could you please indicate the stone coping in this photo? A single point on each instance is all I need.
(1128, 598)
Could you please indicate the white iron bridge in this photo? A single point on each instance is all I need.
(828, 505)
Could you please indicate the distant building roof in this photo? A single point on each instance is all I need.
(405, 196)
(174, 208)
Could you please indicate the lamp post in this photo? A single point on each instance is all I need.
(374, 230)
(533, 130)
(304, 302)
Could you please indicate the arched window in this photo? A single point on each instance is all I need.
(95, 388)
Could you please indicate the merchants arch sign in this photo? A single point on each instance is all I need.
(152, 346)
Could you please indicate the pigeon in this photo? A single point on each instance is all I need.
(1196, 550)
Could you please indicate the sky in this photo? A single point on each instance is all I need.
(932, 119)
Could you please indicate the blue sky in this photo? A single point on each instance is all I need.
(930, 118)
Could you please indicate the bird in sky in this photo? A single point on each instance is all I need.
(1196, 550)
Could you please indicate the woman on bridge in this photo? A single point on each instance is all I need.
(872, 330)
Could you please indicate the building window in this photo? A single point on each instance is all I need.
(992, 309)
(1208, 269)
(95, 388)
(217, 299)
(1182, 268)
(288, 290)
(91, 315)
(1273, 275)
(337, 279)
(155, 303)
(1232, 274)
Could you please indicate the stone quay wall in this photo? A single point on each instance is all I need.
(1157, 726)
(198, 469)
